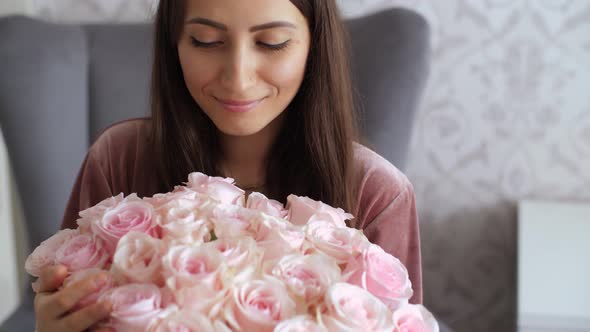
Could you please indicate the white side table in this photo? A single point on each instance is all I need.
(553, 267)
(11, 267)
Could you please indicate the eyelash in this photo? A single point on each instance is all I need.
(270, 47)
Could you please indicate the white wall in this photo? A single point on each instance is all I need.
(9, 7)
(12, 239)
(11, 236)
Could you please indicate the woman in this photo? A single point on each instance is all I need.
(256, 90)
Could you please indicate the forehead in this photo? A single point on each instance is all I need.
(238, 14)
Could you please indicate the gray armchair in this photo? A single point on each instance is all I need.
(61, 84)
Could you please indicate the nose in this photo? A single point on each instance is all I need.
(239, 70)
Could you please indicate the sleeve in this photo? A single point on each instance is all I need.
(396, 230)
(91, 187)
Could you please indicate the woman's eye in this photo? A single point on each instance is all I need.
(275, 47)
(272, 47)
(199, 43)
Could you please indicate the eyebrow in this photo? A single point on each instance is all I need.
(219, 26)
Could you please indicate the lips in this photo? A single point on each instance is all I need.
(239, 106)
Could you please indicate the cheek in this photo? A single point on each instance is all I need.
(197, 72)
(287, 73)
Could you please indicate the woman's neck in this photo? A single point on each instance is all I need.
(245, 158)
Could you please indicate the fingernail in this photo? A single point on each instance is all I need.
(35, 286)
(107, 306)
(60, 270)
(100, 280)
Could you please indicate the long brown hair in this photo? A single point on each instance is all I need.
(313, 154)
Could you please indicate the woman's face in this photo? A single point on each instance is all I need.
(243, 60)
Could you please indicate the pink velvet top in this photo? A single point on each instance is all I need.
(119, 161)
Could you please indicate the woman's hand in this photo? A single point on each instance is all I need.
(53, 307)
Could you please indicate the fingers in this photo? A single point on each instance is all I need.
(51, 307)
(102, 329)
(50, 279)
(63, 301)
(86, 317)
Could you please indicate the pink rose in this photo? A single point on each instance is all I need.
(299, 324)
(185, 266)
(202, 298)
(242, 257)
(219, 326)
(81, 252)
(233, 221)
(350, 308)
(138, 259)
(301, 209)
(167, 297)
(131, 214)
(382, 275)
(264, 227)
(174, 320)
(277, 237)
(221, 189)
(339, 243)
(95, 213)
(93, 297)
(414, 318)
(196, 277)
(185, 221)
(239, 253)
(44, 255)
(134, 306)
(307, 277)
(258, 201)
(259, 305)
(159, 200)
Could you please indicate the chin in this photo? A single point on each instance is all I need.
(239, 131)
(242, 125)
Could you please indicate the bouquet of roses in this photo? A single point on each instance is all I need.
(205, 258)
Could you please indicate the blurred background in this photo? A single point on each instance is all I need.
(499, 158)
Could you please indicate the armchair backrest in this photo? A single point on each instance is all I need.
(61, 84)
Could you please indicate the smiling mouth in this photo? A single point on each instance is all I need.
(239, 106)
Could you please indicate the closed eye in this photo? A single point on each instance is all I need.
(199, 43)
(271, 47)
(275, 47)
